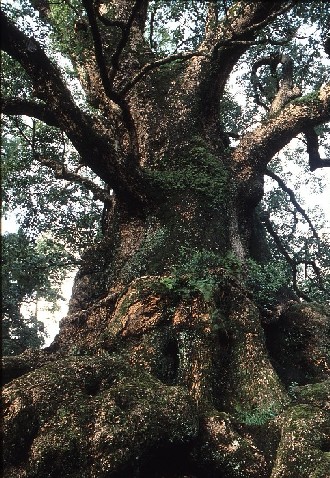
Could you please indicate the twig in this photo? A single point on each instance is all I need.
(62, 172)
(292, 263)
(294, 201)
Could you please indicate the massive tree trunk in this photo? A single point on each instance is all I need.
(165, 366)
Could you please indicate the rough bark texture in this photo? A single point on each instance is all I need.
(164, 366)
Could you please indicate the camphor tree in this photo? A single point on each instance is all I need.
(168, 363)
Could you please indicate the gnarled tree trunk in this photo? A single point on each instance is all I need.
(164, 366)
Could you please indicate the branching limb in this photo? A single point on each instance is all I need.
(292, 262)
(99, 54)
(107, 79)
(283, 88)
(234, 34)
(62, 172)
(124, 39)
(243, 27)
(50, 88)
(294, 201)
(17, 106)
(100, 153)
(315, 160)
(258, 147)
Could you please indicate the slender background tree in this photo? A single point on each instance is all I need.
(192, 346)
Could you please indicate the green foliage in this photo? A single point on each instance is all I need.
(258, 416)
(14, 80)
(200, 271)
(267, 280)
(292, 390)
(175, 25)
(303, 244)
(41, 203)
(30, 271)
(230, 113)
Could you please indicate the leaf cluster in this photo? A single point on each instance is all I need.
(31, 270)
(200, 270)
(41, 202)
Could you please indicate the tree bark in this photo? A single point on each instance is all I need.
(165, 366)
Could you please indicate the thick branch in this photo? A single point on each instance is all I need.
(124, 38)
(49, 87)
(234, 34)
(274, 9)
(17, 106)
(258, 147)
(98, 49)
(244, 26)
(107, 80)
(287, 91)
(315, 161)
(97, 152)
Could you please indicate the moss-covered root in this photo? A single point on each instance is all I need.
(17, 365)
(252, 382)
(224, 452)
(304, 450)
(91, 417)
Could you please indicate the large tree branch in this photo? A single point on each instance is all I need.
(124, 38)
(50, 88)
(234, 35)
(283, 89)
(99, 54)
(315, 160)
(99, 153)
(107, 77)
(258, 147)
(17, 106)
(237, 30)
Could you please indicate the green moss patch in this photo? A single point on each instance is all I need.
(90, 416)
